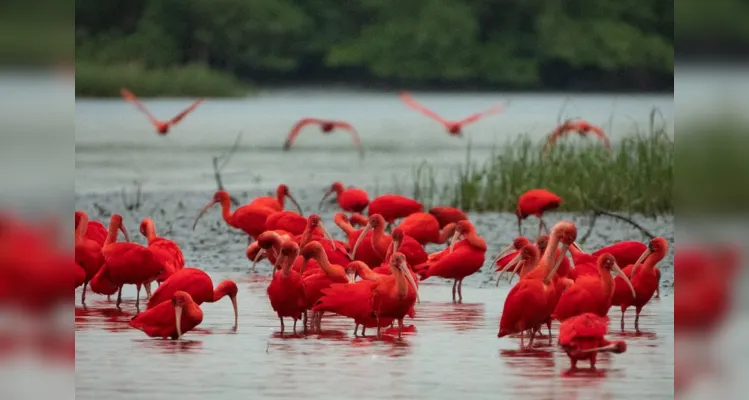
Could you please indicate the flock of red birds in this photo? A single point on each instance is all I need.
(314, 274)
(453, 128)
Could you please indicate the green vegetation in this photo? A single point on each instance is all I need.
(487, 44)
(95, 80)
(637, 176)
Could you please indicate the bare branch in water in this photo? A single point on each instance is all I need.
(625, 219)
(591, 225)
(224, 159)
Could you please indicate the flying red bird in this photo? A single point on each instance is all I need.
(581, 127)
(454, 128)
(162, 127)
(326, 126)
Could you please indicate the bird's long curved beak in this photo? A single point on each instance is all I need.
(454, 240)
(203, 211)
(609, 348)
(577, 246)
(626, 280)
(504, 252)
(328, 193)
(293, 200)
(327, 235)
(515, 265)
(557, 263)
(364, 232)
(259, 255)
(407, 273)
(236, 311)
(178, 320)
(639, 261)
(124, 232)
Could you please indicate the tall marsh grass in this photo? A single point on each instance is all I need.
(637, 176)
(97, 80)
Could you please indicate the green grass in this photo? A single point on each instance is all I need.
(638, 176)
(96, 80)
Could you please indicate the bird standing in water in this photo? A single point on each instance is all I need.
(582, 338)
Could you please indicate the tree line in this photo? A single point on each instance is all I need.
(491, 44)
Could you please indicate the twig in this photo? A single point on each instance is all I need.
(627, 220)
(593, 219)
(227, 156)
(224, 158)
(561, 110)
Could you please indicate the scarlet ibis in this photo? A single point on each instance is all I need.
(277, 203)
(350, 199)
(536, 202)
(393, 206)
(250, 219)
(326, 126)
(582, 338)
(286, 290)
(170, 319)
(581, 127)
(454, 128)
(446, 215)
(162, 127)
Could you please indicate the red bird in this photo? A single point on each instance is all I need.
(530, 302)
(381, 242)
(288, 221)
(446, 215)
(581, 127)
(525, 261)
(395, 294)
(170, 319)
(351, 199)
(627, 252)
(250, 219)
(582, 338)
(644, 280)
(129, 263)
(88, 255)
(591, 294)
(425, 228)
(536, 202)
(315, 281)
(508, 253)
(358, 220)
(365, 251)
(393, 206)
(167, 251)
(326, 126)
(95, 231)
(465, 258)
(454, 128)
(80, 275)
(162, 127)
(276, 203)
(199, 286)
(286, 291)
(267, 240)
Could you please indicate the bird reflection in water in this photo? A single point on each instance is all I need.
(168, 346)
(459, 316)
(530, 362)
(110, 319)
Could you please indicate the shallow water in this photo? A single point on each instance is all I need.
(454, 351)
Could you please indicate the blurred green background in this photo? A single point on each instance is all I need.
(223, 47)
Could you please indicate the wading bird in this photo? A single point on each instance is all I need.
(454, 128)
(166, 251)
(582, 338)
(315, 281)
(199, 286)
(128, 263)
(326, 126)
(425, 228)
(365, 252)
(581, 127)
(351, 199)
(393, 206)
(250, 219)
(394, 295)
(413, 251)
(88, 255)
(170, 319)
(644, 279)
(591, 294)
(95, 230)
(288, 221)
(162, 127)
(531, 301)
(276, 203)
(286, 290)
(536, 202)
(446, 215)
(465, 258)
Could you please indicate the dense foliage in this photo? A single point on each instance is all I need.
(507, 44)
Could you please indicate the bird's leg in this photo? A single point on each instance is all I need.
(377, 317)
(541, 224)
(363, 331)
(356, 329)
(400, 328)
(637, 319)
(137, 297)
(522, 339)
(548, 326)
(109, 297)
(319, 322)
(574, 363)
(295, 320)
(658, 292)
(455, 283)
(593, 361)
(622, 320)
(119, 298)
(281, 318)
(148, 290)
(83, 295)
(389, 227)
(304, 321)
(533, 335)
(460, 291)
